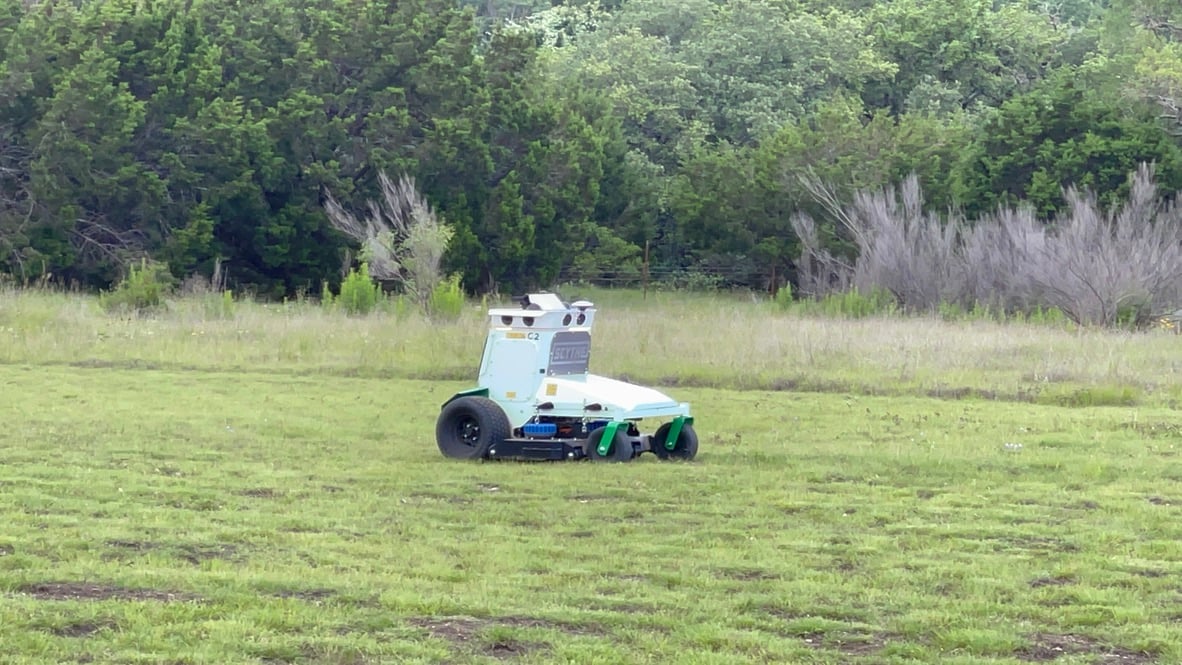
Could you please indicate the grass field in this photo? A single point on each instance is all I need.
(264, 487)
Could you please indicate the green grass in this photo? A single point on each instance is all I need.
(266, 489)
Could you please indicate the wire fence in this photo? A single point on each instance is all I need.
(664, 277)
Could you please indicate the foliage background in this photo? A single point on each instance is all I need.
(557, 140)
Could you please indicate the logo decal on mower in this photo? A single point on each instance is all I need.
(570, 352)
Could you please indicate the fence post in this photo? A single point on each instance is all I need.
(644, 279)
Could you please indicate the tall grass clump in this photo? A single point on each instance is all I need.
(144, 289)
(1108, 267)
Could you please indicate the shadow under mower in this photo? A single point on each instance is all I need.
(536, 400)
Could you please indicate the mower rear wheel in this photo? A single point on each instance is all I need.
(467, 427)
(685, 448)
(620, 451)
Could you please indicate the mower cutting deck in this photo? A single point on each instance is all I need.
(536, 400)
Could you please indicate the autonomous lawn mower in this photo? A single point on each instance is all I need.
(535, 399)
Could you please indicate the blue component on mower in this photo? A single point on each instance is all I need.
(544, 430)
(596, 424)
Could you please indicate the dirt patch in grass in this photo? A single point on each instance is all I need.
(309, 595)
(260, 493)
(1046, 647)
(452, 629)
(747, 574)
(1162, 500)
(84, 591)
(465, 633)
(195, 554)
(133, 545)
(1034, 543)
(587, 498)
(1148, 572)
(625, 607)
(427, 497)
(831, 613)
(1050, 581)
(628, 577)
(462, 630)
(849, 644)
(507, 649)
(82, 628)
(127, 549)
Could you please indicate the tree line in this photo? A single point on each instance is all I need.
(554, 139)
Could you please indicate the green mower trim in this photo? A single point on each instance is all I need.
(675, 426)
(471, 392)
(609, 434)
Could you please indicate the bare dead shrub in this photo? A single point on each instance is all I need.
(995, 255)
(818, 271)
(1118, 266)
(401, 239)
(1100, 267)
(902, 249)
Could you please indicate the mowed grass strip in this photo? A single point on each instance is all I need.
(247, 517)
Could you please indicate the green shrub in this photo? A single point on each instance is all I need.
(1107, 395)
(853, 304)
(783, 299)
(447, 299)
(696, 282)
(1051, 316)
(327, 300)
(950, 311)
(359, 294)
(142, 290)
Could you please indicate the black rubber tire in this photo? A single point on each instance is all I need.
(686, 447)
(621, 449)
(467, 427)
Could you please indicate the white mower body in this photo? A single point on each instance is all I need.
(536, 399)
(536, 362)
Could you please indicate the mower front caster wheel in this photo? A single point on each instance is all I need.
(619, 451)
(469, 426)
(685, 448)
